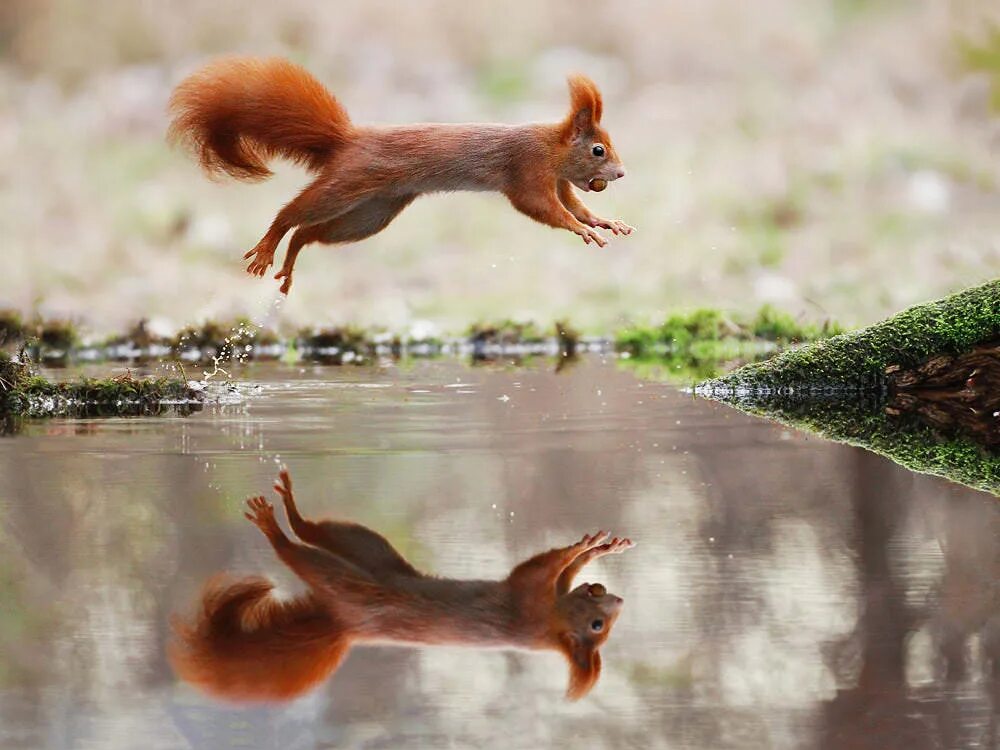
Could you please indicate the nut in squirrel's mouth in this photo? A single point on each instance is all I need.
(597, 184)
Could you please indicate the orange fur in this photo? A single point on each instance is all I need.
(584, 95)
(584, 668)
(246, 645)
(238, 113)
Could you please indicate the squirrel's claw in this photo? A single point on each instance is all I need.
(617, 546)
(589, 235)
(260, 265)
(261, 514)
(589, 541)
(615, 225)
(284, 484)
(263, 257)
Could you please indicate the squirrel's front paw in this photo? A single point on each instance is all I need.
(261, 514)
(615, 225)
(617, 546)
(589, 541)
(589, 235)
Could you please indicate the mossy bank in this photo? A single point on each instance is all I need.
(870, 388)
(859, 359)
(23, 392)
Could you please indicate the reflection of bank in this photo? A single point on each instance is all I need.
(953, 394)
(922, 388)
(902, 695)
(907, 439)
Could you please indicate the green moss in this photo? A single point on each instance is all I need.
(22, 391)
(677, 333)
(680, 331)
(12, 373)
(770, 324)
(638, 341)
(858, 359)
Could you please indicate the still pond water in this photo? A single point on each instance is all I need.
(785, 592)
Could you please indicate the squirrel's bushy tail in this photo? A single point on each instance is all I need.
(246, 644)
(237, 113)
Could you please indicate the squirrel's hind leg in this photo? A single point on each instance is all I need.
(367, 549)
(357, 544)
(317, 567)
(303, 236)
(318, 203)
(364, 220)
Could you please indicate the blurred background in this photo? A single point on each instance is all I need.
(832, 157)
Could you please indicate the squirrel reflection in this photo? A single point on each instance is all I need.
(247, 644)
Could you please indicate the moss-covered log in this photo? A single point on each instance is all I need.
(24, 392)
(859, 359)
(920, 388)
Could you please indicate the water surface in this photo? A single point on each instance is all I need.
(785, 591)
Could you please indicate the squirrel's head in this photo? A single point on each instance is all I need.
(584, 618)
(591, 161)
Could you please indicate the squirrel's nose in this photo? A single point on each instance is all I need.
(620, 173)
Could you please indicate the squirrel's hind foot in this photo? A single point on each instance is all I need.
(286, 285)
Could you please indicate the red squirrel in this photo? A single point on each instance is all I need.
(237, 113)
(245, 644)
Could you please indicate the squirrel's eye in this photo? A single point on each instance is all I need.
(597, 589)
(598, 149)
(597, 626)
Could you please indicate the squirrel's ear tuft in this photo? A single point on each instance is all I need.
(586, 106)
(584, 664)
